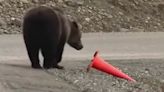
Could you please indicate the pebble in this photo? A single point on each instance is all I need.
(87, 19)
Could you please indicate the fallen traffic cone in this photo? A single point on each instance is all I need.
(99, 64)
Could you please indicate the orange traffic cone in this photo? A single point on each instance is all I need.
(99, 64)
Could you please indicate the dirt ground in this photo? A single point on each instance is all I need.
(148, 74)
(21, 78)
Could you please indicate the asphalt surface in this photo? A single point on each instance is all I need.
(110, 45)
(16, 74)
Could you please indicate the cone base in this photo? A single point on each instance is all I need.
(90, 65)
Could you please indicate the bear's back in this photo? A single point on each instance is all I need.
(42, 16)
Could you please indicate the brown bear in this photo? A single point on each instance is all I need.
(47, 30)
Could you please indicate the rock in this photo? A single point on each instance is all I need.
(162, 88)
(35, 1)
(76, 81)
(87, 19)
(15, 21)
(74, 3)
(135, 29)
(24, 1)
(161, 7)
(1, 1)
(87, 90)
(2, 23)
(60, 1)
(108, 16)
(5, 32)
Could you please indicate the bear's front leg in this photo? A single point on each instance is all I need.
(59, 53)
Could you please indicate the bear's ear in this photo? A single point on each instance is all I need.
(75, 24)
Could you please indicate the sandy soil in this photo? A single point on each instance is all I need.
(21, 78)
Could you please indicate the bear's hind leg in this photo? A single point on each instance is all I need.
(48, 49)
(33, 53)
(51, 59)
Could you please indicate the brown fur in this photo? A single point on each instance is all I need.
(48, 30)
